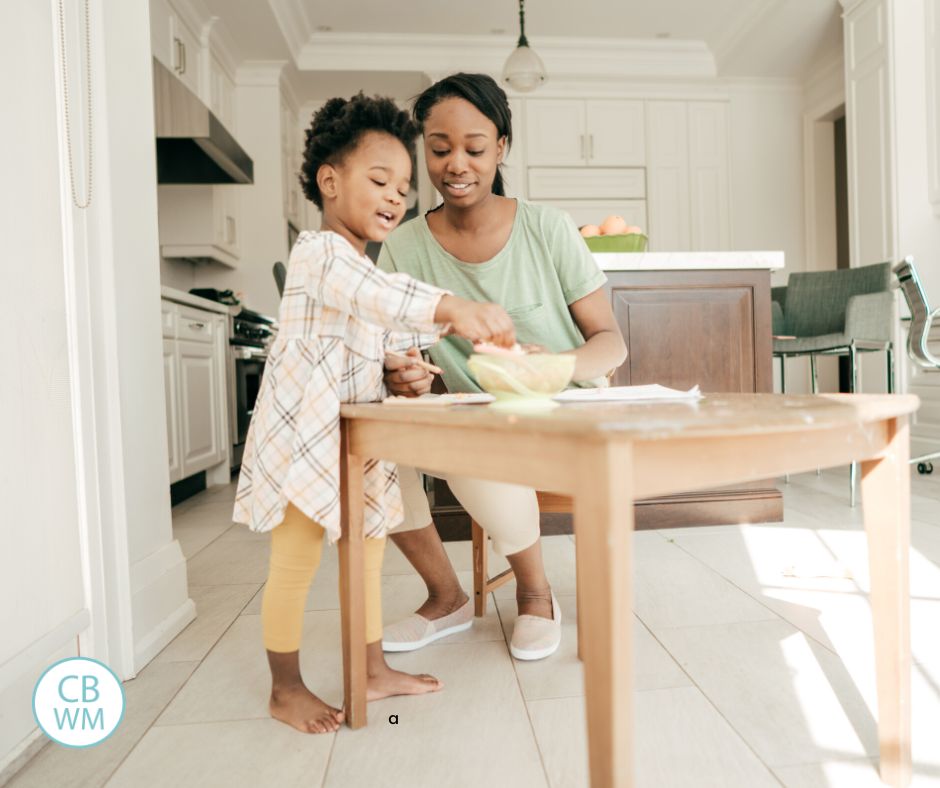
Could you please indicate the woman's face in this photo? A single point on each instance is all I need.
(462, 151)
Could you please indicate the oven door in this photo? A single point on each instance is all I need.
(248, 369)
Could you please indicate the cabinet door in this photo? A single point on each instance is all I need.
(199, 402)
(186, 54)
(869, 118)
(555, 132)
(161, 32)
(225, 211)
(171, 393)
(708, 175)
(668, 176)
(615, 133)
(687, 328)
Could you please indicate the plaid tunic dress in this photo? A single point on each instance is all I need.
(338, 315)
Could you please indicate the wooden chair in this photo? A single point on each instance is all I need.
(483, 584)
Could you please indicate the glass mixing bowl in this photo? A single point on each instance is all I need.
(527, 381)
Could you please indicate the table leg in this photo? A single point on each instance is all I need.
(886, 511)
(603, 524)
(352, 585)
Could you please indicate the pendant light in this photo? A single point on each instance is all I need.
(524, 70)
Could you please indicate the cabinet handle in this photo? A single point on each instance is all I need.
(583, 150)
(590, 146)
(229, 230)
(179, 57)
(197, 326)
(183, 69)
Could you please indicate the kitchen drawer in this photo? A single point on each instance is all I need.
(195, 325)
(168, 319)
(587, 183)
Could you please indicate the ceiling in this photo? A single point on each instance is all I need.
(748, 38)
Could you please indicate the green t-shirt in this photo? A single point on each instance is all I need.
(544, 266)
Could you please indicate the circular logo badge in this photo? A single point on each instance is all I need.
(78, 702)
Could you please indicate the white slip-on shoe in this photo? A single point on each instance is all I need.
(534, 637)
(416, 631)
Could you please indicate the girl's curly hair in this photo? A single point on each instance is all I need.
(337, 128)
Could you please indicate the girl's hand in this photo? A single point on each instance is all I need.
(405, 379)
(478, 322)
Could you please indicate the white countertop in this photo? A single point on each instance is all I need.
(689, 261)
(181, 297)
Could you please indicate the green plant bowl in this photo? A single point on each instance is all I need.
(632, 242)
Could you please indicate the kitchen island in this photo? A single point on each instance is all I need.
(697, 318)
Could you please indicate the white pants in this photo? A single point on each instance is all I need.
(507, 512)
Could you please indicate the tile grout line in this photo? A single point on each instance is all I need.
(525, 702)
(175, 694)
(711, 703)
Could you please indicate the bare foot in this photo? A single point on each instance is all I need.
(439, 606)
(388, 682)
(535, 603)
(301, 709)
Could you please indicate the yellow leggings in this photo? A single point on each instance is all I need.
(296, 547)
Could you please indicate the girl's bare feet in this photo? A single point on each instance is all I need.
(383, 682)
(301, 709)
(393, 682)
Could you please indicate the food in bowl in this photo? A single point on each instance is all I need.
(523, 380)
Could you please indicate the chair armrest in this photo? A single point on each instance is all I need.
(870, 316)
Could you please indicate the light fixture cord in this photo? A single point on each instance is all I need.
(523, 41)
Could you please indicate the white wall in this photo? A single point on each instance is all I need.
(88, 548)
(41, 579)
(767, 170)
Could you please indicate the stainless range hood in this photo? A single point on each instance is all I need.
(192, 144)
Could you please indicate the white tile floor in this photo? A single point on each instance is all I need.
(753, 668)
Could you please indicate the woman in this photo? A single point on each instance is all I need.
(530, 259)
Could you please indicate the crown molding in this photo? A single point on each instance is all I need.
(444, 54)
(289, 89)
(260, 73)
(294, 23)
(218, 40)
(738, 29)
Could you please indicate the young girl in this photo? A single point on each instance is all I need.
(338, 316)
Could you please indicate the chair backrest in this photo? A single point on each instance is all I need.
(816, 301)
(921, 316)
(280, 277)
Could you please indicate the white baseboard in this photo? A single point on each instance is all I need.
(160, 601)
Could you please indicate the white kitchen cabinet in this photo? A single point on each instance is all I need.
(200, 222)
(194, 364)
(595, 133)
(200, 398)
(174, 43)
(687, 176)
(221, 94)
(171, 391)
(161, 32)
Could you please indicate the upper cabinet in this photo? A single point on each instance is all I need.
(688, 194)
(594, 133)
(175, 44)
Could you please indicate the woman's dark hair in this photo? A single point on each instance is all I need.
(481, 91)
(339, 125)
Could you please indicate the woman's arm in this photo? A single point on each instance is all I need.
(604, 349)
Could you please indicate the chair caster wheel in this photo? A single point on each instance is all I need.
(925, 467)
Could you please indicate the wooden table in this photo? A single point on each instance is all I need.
(607, 455)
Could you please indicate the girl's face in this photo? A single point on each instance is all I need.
(365, 193)
(462, 151)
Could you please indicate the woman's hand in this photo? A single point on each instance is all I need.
(478, 322)
(404, 379)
